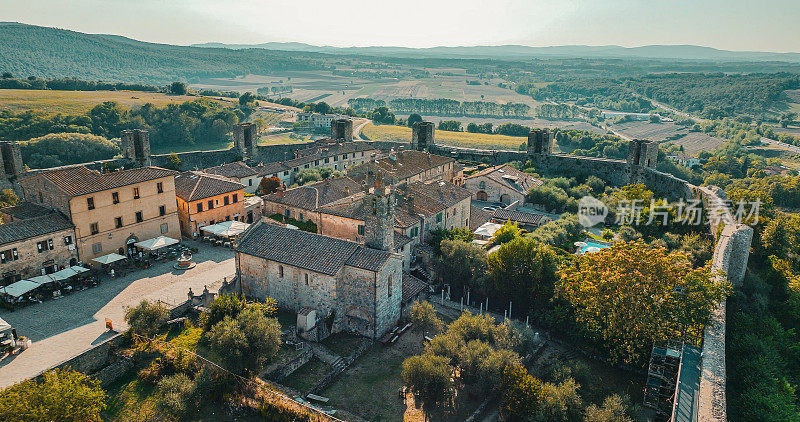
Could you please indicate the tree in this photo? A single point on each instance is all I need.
(146, 317)
(461, 264)
(7, 75)
(450, 125)
(178, 88)
(174, 162)
(322, 108)
(174, 393)
(521, 393)
(631, 295)
(508, 232)
(414, 118)
(269, 185)
(66, 148)
(60, 395)
(559, 233)
(429, 377)
(524, 271)
(423, 316)
(247, 341)
(246, 99)
(8, 198)
(614, 409)
(223, 305)
(560, 402)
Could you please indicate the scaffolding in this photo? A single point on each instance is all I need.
(662, 376)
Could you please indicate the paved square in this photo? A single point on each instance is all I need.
(64, 328)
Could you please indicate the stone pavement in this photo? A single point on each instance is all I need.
(64, 328)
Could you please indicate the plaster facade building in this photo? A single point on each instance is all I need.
(110, 211)
(204, 199)
(501, 183)
(34, 241)
(332, 154)
(346, 286)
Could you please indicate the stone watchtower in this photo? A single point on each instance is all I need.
(136, 146)
(379, 221)
(342, 129)
(245, 137)
(422, 136)
(642, 153)
(540, 141)
(10, 163)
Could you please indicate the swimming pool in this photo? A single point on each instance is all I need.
(591, 243)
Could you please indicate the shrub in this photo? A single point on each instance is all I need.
(424, 317)
(146, 317)
(174, 393)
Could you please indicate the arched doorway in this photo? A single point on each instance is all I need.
(129, 245)
(481, 196)
(505, 198)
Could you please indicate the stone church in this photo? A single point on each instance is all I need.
(333, 284)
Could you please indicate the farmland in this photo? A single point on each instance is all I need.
(80, 102)
(336, 90)
(692, 142)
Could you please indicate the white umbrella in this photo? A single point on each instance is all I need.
(226, 228)
(68, 272)
(19, 288)
(107, 259)
(156, 243)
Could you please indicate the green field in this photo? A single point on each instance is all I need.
(457, 139)
(80, 102)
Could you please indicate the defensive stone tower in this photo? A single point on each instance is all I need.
(379, 222)
(422, 136)
(244, 139)
(136, 146)
(10, 162)
(540, 141)
(642, 153)
(342, 129)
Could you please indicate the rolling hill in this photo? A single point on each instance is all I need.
(29, 50)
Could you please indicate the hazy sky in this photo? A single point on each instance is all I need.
(764, 25)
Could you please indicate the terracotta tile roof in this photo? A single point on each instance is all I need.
(236, 170)
(477, 217)
(412, 287)
(18, 230)
(509, 176)
(25, 210)
(518, 216)
(264, 169)
(433, 197)
(401, 166)
(80, 180)
(317, 194)
(313, 252)
(194, 185)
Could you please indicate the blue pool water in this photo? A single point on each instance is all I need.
(591, 243)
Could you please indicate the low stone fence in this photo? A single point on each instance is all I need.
(280, 370)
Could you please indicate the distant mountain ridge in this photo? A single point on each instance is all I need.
(680, 52)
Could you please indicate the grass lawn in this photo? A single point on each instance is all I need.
(80, 102)
(286, 318)
(343, 344)
(458, 139)
(284, 138)
(308, 375)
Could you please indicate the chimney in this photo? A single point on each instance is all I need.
(421, 229)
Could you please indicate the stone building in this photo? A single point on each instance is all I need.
(35, 240)
(204, 199)
(416, 209)
(643, 153)
(10, 164)
(301, 203)
(422, 136)
(110, 211)
(348, 286)
(408, 167)
(501, 183)
(136, 146)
